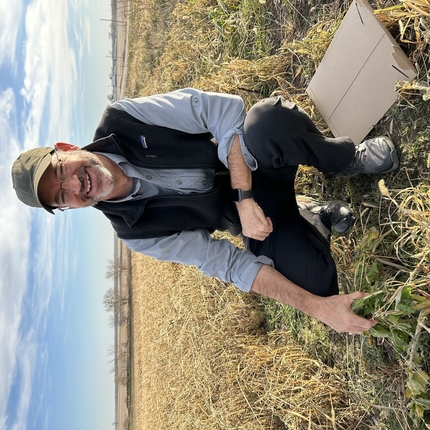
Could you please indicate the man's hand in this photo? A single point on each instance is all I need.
(335, 311)
(255, 224)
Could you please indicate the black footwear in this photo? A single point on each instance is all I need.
(334, 215)
(377, 155)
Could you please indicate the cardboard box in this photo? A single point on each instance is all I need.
(354, 85)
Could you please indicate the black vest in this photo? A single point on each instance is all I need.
(163, 148)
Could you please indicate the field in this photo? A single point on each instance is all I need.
(206, 356)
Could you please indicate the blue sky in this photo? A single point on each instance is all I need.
(54, 333)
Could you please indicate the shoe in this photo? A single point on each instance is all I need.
(334, 215)
(377, 155)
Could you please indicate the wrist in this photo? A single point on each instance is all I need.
(314, 307)
(238, 195)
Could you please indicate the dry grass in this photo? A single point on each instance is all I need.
(204, 361)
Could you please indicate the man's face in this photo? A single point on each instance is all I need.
(83, 181)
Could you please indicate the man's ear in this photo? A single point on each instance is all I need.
(63, 146)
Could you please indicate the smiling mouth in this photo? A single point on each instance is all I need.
(89, 184)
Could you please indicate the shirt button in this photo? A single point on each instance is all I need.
(148, 177)
(204, 182)
(179, 182)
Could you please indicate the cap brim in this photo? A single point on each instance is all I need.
(40, 170)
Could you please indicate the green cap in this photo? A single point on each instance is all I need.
(26, 173)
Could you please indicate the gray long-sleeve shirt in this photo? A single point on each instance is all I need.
(193, 111)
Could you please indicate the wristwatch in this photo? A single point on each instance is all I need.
(238, 195)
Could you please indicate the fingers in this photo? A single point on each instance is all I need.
(358, 295)
(338, 314)
(255, 224)
(266, 229)
(267, 226)
(360, 325)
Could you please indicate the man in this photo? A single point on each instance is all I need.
(156, 173)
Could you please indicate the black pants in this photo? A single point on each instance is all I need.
(281, 136)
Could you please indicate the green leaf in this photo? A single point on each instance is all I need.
(406, 294)
(417, 387)
(380, 330)
(400, 341)
(393, 318)
(368, 305)
(421, 377)
(404, 325)
(419, 405)
(374, 272)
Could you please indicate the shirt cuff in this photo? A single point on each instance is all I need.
(245, 282)
(224, 149)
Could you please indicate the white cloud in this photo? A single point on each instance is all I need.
(14, 227)
(26, 360)
(82, 33)
(10, 13)
(87, 33)
(30, 348)
(18, 354)
(49, 93)
(50, 72)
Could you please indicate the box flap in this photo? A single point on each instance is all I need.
(354, 85)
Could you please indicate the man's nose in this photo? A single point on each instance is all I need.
(73, 184)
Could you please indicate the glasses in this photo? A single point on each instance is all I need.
(62, 173)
